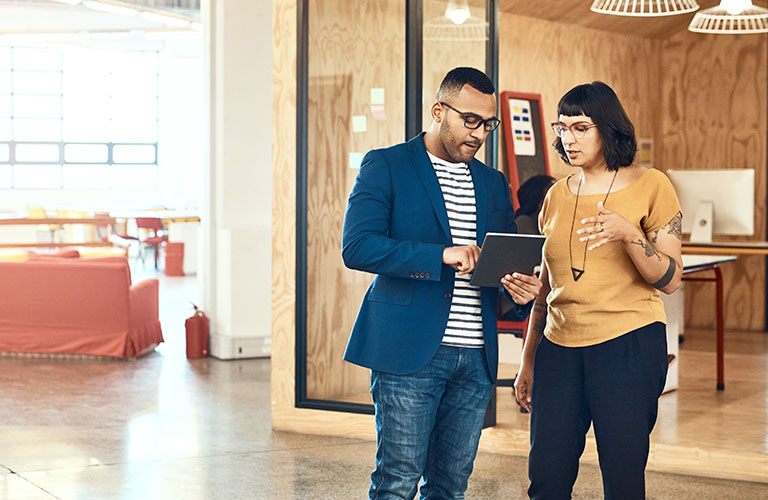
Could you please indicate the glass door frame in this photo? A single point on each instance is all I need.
(413, 111)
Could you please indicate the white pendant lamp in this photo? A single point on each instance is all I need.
(731, 17)
(644, 8)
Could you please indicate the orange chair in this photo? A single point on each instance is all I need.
(153, 226)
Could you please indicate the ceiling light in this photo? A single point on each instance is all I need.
(68, 2)
(164, 19)
(110, 7)
(644, 8)
(731, 17)
(458, 13)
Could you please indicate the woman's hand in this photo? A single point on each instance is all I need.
(607, 226)
(522, 287)
(523, 382)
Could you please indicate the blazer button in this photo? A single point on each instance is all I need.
(427, 275)
(447, 295)
(413, 275)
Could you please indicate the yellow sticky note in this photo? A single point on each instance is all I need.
(359, 123)
(377, 97)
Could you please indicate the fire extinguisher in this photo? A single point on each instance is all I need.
(197, 334)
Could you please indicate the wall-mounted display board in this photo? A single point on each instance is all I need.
(524, 139)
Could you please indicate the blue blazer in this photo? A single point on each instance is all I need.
(396, 227)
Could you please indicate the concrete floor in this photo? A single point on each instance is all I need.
(164, 427)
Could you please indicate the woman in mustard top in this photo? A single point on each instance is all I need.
(596, 350)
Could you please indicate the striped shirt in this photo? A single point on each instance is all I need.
(465, 325)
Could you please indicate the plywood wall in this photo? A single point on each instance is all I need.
(700, 98)
(549, 58)
(354, 47)
(283, 204)
(713, 103)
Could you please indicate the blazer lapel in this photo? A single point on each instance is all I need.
(425, 171)
(481, 199)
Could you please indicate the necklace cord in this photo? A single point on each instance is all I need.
(578, 272)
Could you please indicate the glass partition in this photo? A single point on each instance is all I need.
(353, 70)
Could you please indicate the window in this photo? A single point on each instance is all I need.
(77, 118)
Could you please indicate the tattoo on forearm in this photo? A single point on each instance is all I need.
(540, 318)
(676, 225)
(655, 236)
(648, 247)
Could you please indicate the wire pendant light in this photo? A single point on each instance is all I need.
(731, 17)
(644, 8)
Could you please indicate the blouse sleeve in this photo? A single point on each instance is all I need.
(662, 204)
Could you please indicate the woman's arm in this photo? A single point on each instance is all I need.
(536, 325)
(657, 255)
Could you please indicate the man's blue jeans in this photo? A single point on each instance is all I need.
(428, 425)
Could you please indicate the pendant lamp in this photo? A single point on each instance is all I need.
(731, 17)
(644, 8)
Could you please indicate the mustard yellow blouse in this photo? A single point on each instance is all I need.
(611, 298)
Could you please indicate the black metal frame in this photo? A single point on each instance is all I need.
(413, 125)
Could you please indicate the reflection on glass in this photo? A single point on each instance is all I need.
(449, 44)
(356, 103)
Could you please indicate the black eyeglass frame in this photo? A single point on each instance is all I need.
(468, 116)
(569, 128)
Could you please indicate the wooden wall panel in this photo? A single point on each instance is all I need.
(283, 204)
(353, 47)
(714, 91)
(550, 58)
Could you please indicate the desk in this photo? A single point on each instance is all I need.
(16, 221)
(693, 264)
(729, 247)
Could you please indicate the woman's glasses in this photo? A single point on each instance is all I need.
(578, 129)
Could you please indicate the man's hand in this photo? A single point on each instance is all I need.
(463, 258)
(522, 287)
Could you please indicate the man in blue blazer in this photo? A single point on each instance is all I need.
(414, 218)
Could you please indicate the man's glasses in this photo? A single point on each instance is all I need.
(578, 129)
(473, 121)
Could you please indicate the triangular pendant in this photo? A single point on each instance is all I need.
(576, 273)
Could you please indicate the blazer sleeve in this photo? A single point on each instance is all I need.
(366, 244)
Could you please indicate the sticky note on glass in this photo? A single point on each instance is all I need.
(355, 159)
(377, 97)
(378, 113)
(359, 124)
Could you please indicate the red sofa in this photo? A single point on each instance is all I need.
(77, 306)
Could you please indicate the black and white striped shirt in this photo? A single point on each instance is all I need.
(465, 326)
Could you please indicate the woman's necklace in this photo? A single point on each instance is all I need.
(578, 272)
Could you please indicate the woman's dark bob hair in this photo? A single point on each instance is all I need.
(599, 102)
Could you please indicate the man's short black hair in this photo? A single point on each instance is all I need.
(458, 77)
(599, 102)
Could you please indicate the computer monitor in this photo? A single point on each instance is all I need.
(716, 201)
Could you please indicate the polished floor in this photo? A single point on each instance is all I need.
(163, 427)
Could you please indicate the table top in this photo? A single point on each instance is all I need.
(691, 261)
(726, 247)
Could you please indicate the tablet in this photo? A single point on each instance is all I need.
(504, 253)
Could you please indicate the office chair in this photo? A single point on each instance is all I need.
(153, 226)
